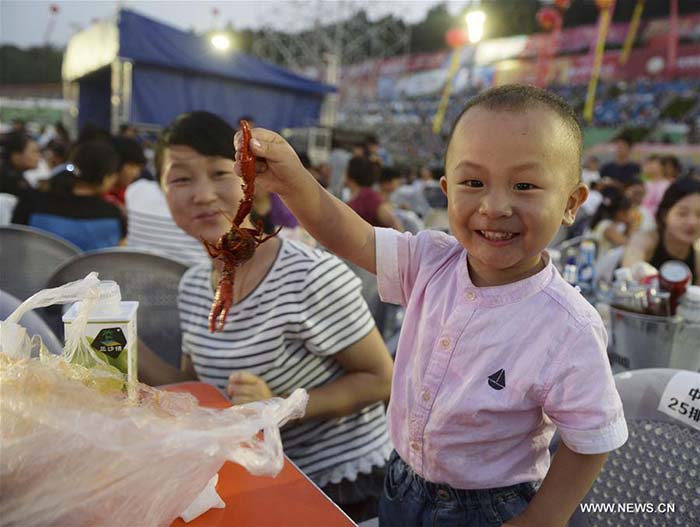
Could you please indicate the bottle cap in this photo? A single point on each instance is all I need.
(623, 274)
(675, 272)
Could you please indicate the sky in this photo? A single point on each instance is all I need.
(26, 23)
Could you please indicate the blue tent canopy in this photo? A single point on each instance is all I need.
(172, 72)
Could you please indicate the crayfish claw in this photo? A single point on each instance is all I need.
(222, 302)
(218, 315)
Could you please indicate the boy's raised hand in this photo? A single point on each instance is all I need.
(277, 164)
(334, 225)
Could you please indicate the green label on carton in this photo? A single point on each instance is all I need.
(110, 341)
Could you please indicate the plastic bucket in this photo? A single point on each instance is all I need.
(639, 341)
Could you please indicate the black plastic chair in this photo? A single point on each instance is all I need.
(28, 257)
(32, 322)
(146, 277)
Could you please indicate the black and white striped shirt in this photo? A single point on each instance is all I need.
(307, 308)
(151, 227)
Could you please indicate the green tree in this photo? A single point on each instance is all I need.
(429, 35)
(38, 65)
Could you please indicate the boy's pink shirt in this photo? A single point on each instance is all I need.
(445, 418)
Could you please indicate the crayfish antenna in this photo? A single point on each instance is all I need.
(226, 215)
(210, 247)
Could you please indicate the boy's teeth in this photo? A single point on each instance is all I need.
(495, 235)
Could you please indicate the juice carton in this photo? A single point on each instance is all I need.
(111, 329)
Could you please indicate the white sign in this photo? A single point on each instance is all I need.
(681, 398)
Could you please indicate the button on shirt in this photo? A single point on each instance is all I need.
(484, 375)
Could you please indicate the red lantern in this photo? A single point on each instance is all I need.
(604, 4)
(548, 17)
(456, 37)
(562, 4)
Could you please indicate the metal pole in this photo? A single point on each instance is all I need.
(470, 71)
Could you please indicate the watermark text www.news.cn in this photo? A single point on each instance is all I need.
(629, 508)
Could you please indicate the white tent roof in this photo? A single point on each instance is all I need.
(91, 50)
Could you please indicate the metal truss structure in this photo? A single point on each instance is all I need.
(340, 34)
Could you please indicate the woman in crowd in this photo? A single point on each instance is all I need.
(20, 153)
(673, 169)
(298, 320)
(56, 156)
(610, 224)
(639, 217)
(360, 176)
(73, 207)
(132, 161)
(656, 183)
(677, 235)
(390, 181)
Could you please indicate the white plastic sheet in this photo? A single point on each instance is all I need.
(77, 451)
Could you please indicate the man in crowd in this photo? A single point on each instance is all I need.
(621, 169)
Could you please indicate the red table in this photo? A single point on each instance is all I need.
(288, 500)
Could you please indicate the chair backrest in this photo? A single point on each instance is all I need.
(28, 257)
(657, 465)
(146, 277)
(32, 322)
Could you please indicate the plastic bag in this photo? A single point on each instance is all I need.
(207, 499)
(13, 337)
(77, 451)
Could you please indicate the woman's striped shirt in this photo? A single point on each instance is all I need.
(307, 308)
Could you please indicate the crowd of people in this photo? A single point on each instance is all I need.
(650, 211)
(79, 195)
(405, 124)
(510, 178)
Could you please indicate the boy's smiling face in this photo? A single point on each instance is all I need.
(511, 182)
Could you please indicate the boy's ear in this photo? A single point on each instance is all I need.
(576, 198)
(443, 185)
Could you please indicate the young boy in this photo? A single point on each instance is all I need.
(496, 350)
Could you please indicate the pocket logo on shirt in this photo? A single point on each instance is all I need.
(497, 380)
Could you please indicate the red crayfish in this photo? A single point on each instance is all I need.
(239, 243)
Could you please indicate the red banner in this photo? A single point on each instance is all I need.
(427, 61)
(393, 66)
(577, 39)
(573, 70)
(688, 27)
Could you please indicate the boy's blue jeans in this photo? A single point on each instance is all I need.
(410, 501)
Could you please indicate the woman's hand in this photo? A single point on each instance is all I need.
(244, 387)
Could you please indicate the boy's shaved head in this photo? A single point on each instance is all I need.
(519, 98)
